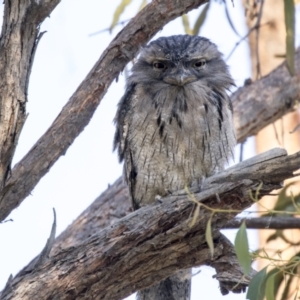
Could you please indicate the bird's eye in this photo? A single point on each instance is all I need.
(200, 63)
(159, 65)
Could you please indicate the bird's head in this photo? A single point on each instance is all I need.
(180, 60)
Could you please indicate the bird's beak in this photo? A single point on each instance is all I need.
(180, 79)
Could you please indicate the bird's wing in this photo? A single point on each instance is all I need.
(121, 121)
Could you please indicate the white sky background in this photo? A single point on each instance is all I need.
(65, 55)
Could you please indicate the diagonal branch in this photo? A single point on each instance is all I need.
(153, 242)
(80, 108)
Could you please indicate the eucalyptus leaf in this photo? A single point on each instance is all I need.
(208, 237)
(241, 246)
(229, 19)
(118, 12)
(256, 289)
(186, 24)
(289, 16)
(270, 284)
(200, 20)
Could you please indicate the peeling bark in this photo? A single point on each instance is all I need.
(153, 242)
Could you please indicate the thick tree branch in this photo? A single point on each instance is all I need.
(259, 104)
(18, 41)
(78, 111)
(113, 204)
(152, 243)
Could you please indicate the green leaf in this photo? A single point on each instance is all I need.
(283, 198)
(270, 286)
(242, 249)
(119, 10)
(195, 216)
(200, 20)
(286, 203)
(278, 280)
(208, 237)
(273, 281)
(289, 16)
(186, 24)
(256, 289)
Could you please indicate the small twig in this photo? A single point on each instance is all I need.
(258, 70)
(295, 129)
(108, 29)
(8, 220)
(242, 151)
(196, 273)
(265, 223)
(286, 240)
(43, 257)
(276, 134)
(244, 37)
(229, 19)
(282, 131)
(37, 41)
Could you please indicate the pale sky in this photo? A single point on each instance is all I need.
(65, 55)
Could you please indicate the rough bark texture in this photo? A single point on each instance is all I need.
(150, 244)
(261, 103)
(19, 38)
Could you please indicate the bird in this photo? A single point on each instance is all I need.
(174, 128)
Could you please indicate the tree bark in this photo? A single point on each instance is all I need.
(261, 103)
(19, 38)
(139, 249)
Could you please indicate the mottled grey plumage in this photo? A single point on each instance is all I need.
(174, 123)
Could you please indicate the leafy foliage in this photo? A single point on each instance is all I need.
(256, 290)
(267, 284)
